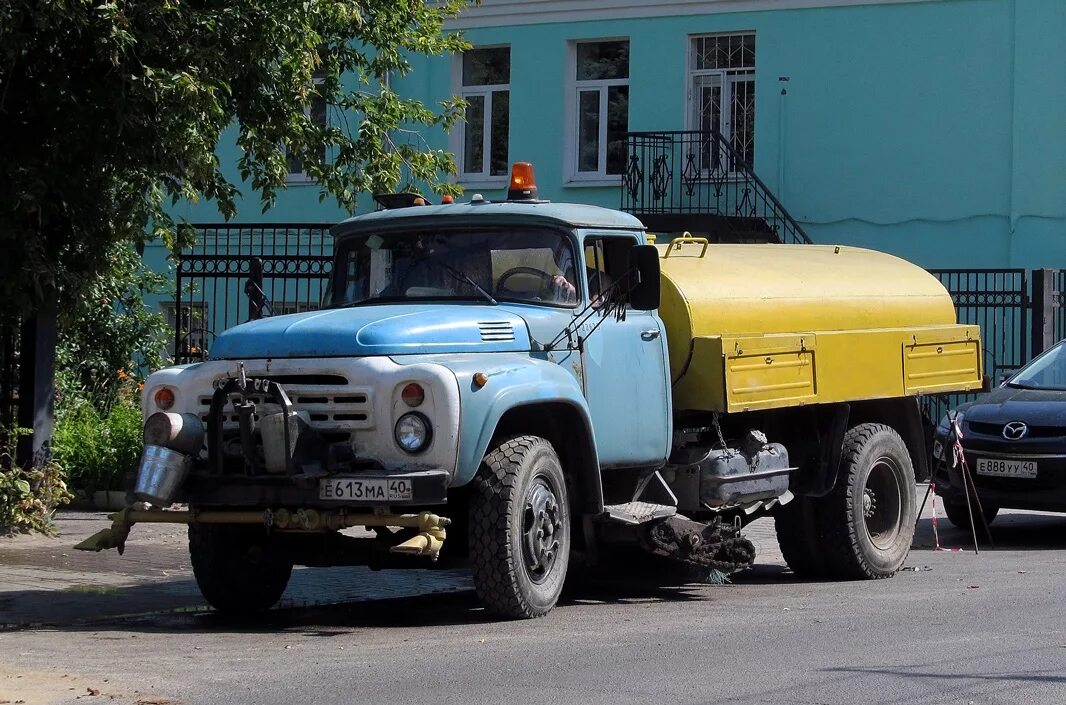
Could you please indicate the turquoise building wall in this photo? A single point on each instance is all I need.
(930, 129)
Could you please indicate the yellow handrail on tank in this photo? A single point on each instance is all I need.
(684, 238)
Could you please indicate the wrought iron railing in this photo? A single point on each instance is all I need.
(998, 301)
(700, 173)
(237, 273)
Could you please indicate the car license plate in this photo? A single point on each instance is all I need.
(376, 490)
(1006, 468)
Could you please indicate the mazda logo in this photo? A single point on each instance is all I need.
(1015, 431)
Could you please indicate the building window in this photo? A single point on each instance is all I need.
(601, 108)
(486, 79)
(318, 113)
(722, 95)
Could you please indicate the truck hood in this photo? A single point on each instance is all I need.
(377, 330)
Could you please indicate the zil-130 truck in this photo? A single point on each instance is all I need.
(530, 388)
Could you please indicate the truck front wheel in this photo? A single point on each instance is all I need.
(867, 521)
(519, 528)
(237, 572)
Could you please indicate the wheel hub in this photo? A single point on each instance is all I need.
(869, 503)
(541, 527)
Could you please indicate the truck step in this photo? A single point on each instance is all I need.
(638, 512)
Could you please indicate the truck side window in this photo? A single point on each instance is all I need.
(606, 261)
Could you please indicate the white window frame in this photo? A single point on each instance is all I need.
(302, 177)
(726, 77)
(575, 88)
(458, 139)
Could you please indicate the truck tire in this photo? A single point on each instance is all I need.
(234, 568)
(519, 528)
(797, 535)
(867, 521)
(959, 514)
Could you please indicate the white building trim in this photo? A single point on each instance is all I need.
(494, 13)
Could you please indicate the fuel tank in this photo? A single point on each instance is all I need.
(757, 326)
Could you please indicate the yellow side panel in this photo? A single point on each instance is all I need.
(930, 367)
(746, 373)
(770, 371)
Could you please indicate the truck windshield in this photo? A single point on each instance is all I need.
(528, 265)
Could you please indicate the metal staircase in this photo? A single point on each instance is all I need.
(696, 181)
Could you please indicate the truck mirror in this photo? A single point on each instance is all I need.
(644, 266)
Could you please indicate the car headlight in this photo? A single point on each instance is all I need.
(413, 432)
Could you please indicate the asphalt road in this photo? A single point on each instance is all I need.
(962, 628)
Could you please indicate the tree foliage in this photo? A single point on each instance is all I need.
(111, 110)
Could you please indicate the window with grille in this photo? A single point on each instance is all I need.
(484, 134)
(722, 95)
(601, 109)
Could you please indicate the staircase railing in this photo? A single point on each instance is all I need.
(700, 173)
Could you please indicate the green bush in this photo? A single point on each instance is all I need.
(97, 449)
(28, 498)
(107, 339)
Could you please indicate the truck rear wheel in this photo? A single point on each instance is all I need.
(235, 569)
(867, 521)
(519, 528)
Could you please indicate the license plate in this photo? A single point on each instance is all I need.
(377, 490)
(1006, 468)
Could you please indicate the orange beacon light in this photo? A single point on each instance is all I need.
(523, 185)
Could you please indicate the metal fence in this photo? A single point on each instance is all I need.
(1021, 314)
(237, 273)
(9, 372)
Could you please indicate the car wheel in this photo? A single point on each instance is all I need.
(866, 523)
(235, 569)
(519, 528)
(959, 514)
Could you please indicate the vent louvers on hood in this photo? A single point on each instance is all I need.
(496, 331)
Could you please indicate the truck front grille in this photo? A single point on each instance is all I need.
(332, 406)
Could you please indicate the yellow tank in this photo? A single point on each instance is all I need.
(763, 326)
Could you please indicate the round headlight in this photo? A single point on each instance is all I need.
(164, 398)
(413, 432)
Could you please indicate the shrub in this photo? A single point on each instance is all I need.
(29, 498)
(99, 449)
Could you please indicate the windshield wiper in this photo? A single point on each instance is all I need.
(464, 277)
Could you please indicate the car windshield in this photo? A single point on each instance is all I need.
(529, 265)
(1045, 372)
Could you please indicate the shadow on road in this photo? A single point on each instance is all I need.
(998, 676)
(175, 606)
(1013, 531)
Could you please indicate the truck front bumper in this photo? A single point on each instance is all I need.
(361, 489)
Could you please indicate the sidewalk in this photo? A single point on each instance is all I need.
(44, 581)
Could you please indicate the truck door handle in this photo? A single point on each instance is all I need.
(650, 334)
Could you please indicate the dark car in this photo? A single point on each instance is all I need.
(1014, 440)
